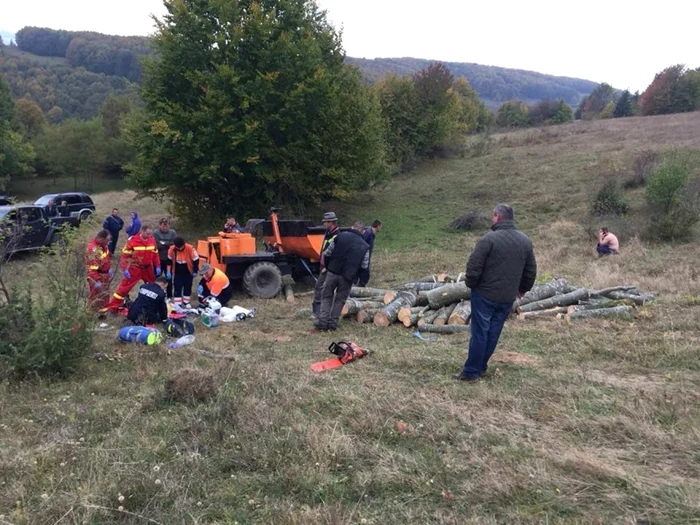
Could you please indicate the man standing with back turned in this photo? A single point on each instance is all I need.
(501, 268)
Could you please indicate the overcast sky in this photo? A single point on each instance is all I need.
(622, 42)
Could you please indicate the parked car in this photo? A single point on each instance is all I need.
(26, 227)
(79, 204)
(5, 200)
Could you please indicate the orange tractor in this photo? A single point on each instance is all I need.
(291, 248)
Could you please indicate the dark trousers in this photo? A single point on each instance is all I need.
(487, 322)
(182, 284)
(165, 266)
(113, 243)
(224, 297)
(318, 291)
(336, 289)
(604, 250)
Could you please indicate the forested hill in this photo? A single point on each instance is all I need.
(69, 74)
(493, 84)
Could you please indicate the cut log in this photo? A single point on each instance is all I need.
(558, 300)
(428, 318)
(352, 306)
(461, 313)
(540, 292)
(421, 286)
(445, 329)
(406, 312)
(389, 296)
(601, 313)
(582, 307)
(604, 291)
(366, 316)
(552, 312)
(389, 313)
(289, 293)
(448, 294)
(411, 320)
(357, 291)
(639, 300)
(444, 314)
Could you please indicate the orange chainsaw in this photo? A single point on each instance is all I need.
(344, 352)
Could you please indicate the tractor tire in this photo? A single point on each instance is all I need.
(262, 280)
(303, 278)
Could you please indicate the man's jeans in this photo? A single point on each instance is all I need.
(487, 322)
(335, 292)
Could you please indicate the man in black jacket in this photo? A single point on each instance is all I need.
(344, 258)
(149, 306)
(113, 224)
(501, 268)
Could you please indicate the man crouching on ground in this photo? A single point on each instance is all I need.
(501, 267)
(345, 256)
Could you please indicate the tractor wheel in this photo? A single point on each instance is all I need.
(263, 280)
(302, 277)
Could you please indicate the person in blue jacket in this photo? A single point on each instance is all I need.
(135, 226)
(113, 224)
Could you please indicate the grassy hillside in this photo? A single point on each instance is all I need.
(595, 422)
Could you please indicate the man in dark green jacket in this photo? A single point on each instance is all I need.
(501, 268)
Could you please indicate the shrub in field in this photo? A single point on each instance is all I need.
(470, 221)
(46, 330)
(645, 163)
(674, 205)
(609, 201)
(190, 385)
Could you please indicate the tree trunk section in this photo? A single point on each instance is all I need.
(444, 314)
(558, 300)
(448, 294)
(389, 297)
(357, 291)
(411, 320)
(552, 312)
(445, 329)
(601, 313)
(352, 306)
(406, 312)
(582, 307)
(461, 313)
(289, 293)
(421, 287)
(366, 316)
(387, 315)
(603, 292)
(428, 318)
(540, 292)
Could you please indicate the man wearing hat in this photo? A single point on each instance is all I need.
(214, 284)
(330, 221)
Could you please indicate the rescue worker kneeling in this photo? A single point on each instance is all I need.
(149, 307)
(214, 285)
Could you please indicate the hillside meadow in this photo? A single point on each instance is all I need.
(589, 422)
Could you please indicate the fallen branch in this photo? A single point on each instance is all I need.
(639, 300)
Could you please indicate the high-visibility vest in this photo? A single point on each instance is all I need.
(185, 256)
(218, 282)
(97, 257)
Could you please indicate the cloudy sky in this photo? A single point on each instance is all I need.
(617, 41)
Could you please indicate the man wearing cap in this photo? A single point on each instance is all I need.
(214, 284)
(330, 221)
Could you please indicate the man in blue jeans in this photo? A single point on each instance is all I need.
(501, 268)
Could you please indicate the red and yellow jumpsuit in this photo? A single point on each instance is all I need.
(98, 261)
(139, 257)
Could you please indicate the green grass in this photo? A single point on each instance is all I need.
(587, 422)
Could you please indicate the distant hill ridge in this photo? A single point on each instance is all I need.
(82, 58)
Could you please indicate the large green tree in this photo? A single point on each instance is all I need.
(16, 155)
(249, 104)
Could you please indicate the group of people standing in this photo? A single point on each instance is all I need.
(345, 261)
(162, 260)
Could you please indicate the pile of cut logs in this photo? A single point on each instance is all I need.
(440, 303)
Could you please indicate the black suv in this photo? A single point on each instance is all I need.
(5, 200)
(77, 204)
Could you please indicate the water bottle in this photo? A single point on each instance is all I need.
(184, 340)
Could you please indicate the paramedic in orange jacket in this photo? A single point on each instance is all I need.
(98, 262)
(184, 262)
(214, 284)
(139, 258)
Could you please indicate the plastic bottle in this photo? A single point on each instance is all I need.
(182, 341)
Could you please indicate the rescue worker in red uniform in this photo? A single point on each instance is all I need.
(139, 258)
(98, 262)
